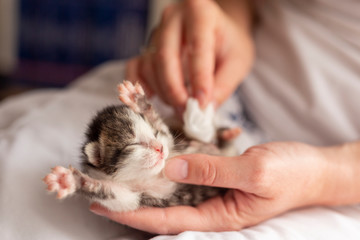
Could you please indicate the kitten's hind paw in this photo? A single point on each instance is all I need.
(229, 133)
(129, 94)
(60, 180)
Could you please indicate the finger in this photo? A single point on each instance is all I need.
(200, 50)
(232, 67)
(132, 73)
(229, 74)
(201, 169)
(212, 215)
(168, 62)
(227, 79)
(147, 73)
(167, 219)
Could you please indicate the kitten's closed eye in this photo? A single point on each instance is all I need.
(133, 144)
(130, 145)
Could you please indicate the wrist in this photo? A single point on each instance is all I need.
(241, 12)
(341, 181)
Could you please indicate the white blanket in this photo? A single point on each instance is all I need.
(42, 129)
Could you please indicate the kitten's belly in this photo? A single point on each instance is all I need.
(158, 188)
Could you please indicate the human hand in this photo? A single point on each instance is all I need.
(265, 181)
(216, 50)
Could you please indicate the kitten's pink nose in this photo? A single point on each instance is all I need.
(158, 147)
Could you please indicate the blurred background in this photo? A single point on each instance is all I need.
(48, 43)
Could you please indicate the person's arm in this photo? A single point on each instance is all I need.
(342, 183)
(217, 40)
(265, 181)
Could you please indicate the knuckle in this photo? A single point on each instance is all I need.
(260, 151)
(167, 12)
(162, 55)
(200, 78)
(261, 168)
(258, 176)
(208, 174)
(197, 45)
(201, 48)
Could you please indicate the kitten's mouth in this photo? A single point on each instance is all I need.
(158, 162)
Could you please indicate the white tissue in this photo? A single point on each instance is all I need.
(198, 123)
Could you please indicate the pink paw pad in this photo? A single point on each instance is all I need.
(129, 94)
(60, 180)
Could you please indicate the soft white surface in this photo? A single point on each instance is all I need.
(199, 123)
(38, 131)
(43, 129)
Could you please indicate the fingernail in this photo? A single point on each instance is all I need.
(98, 210)
(201, 97)
(176, 169)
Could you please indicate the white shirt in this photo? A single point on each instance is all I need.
(305, 85)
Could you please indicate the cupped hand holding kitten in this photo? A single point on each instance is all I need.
(265, 181)
(212, 42)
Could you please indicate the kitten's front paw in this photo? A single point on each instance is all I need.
(61, 180)
(129, 94)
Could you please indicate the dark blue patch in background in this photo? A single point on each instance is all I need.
(60, 40)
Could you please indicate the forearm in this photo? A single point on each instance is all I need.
(241, 11)
(342, 181)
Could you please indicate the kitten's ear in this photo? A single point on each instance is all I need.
(92, 151)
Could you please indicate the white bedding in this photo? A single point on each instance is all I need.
(42, 129)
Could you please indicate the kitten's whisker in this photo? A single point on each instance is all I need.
(180, 144)
(176, 136)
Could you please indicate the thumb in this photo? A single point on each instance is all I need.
(200, 169)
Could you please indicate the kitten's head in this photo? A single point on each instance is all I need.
(124, 145)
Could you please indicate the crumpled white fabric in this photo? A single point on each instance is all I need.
(199, 123)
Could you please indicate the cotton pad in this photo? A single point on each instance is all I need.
(198, 123)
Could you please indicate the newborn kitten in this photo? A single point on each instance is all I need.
(123, 157)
